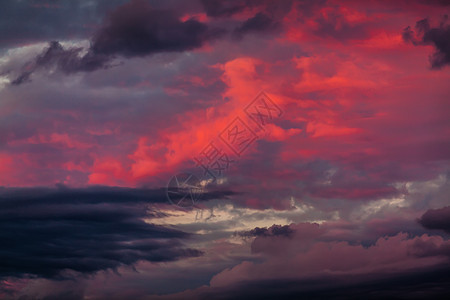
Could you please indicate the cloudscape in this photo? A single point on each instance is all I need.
(224, 149)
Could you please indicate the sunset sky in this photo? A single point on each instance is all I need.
(339, 189)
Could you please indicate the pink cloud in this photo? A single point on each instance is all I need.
(296, 258)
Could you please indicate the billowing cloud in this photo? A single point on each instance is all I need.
(274, 230)
(314, 262)
(438, 37)
(437, 219)
(137, 29)
(133, 29)
(344, 193)
(256, 24)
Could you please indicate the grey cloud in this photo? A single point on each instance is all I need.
(220, 8)
(66, 60)
(439, 37)
(22, 22)
(134, 29)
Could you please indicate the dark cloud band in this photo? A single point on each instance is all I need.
(45, 232)
(437, 219)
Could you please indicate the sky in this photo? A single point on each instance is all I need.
(235, 149)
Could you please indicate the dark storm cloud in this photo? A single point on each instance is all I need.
(228, 8)
(47, 231)
(36, 20)
(69, 60)
(274, 230)
(22, 78)
(261, 22)
(134, 29)
(437, 219)
(223, 8)
(439, 37)
(66, 60)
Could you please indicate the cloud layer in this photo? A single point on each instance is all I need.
(53, 232)
(343, 194)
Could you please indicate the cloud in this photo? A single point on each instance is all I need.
(229, 8)
(322, 251)
(439, 37)
(46, 289)
(220, 8)
(49, 232)
(134, 29)
(66, 60)
(435, 2)
(367, 149)
(275, 230)
(317, 262)
(436, 219)
(49, 20)
(427, 284)
(260, 22)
